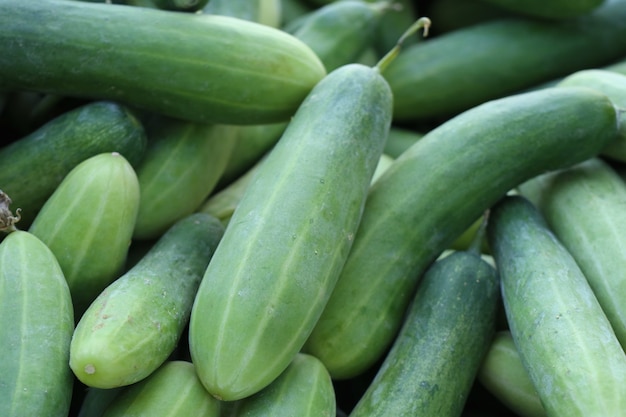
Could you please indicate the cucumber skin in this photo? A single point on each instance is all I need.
(31, 166)
(565, 9)
(132, 327)
(402, 232)
(494, 59)
(248, 321)
(265, 12)
(198, 67)
(88, 223)
(37, 325)
(433, 362)
(564, 339)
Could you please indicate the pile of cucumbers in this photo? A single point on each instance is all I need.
(312, 208)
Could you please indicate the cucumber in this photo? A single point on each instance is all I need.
(265, 12)
(287, 241)
(96, 400)
(551, 9)
(36, 329)
(181, 5)
(183, 163)
(172, 390)
(565, 340)
(584, 207)
(197, 67)
(133, 326)
(416, 209)
(433, 361)
(88, 223)
(453, 72)
(33, 166)
(400, 139)
(503, 375)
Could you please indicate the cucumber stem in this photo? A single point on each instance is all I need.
(421, 23)
(7, 219)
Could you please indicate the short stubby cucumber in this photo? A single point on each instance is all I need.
(288, 239)
(432, 193)
(36, 329)
(135, 323)
(565, 341)
(199, 67)
(88, 223)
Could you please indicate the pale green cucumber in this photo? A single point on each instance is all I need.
(183, 163)
(135, 323)
(265, 12)
(36, 329)
(565, 341)
(287, 241)
(432, 193)
(88, 222)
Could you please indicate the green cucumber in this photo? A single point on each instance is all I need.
(400, 139)
(183, 163)
(287, 241)
(88, 223)
(181, 5)
(432, 193)
(265, 12)
(32, 167)
(503, 375)
(458, 70)
(36, 329)
(565, 341)
(135, 323)
(96, 400)
(584, 207)
(198, 67)
(172, 390)
(550, 9)
(433, 361)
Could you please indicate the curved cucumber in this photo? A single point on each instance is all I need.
(133, 326)
(416, 209)
(36, 328)
(88, 222)
(287, 241)
(32, 167)
(433, 362)
(198, 67)
(565, 341)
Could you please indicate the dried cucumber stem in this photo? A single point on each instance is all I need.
(7, 219)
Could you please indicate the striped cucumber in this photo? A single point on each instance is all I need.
(565, 341)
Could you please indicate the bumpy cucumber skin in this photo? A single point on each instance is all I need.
(287, 241)
(37, 325)
(183, 163)
(33, 166)
(461, 69)
(433, 362)
(172, 390)
(88, 222)
(132, 327)
(418, 207)
(564, 339)
(584, 207)
(198, 67)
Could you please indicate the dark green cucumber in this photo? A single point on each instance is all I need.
(88, 223)
(181, 5)
(32, 167)
(265, 12)
(287, 241)
(96, 400)
(565, 341)
(432, 193)
(36, 329)
(400, 139)
(453, 72)
(433, 361)
(133, 326)
(551, 9)
(183, 163)
(199, 67)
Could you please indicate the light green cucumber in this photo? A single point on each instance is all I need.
(432, 193)
(88, 222)
(135, 323)
(565, 341)
(431, 366)
(33, 166)
(172, 390)
(504, 376)
(193, 66)
(286, 242)
(36, 328)
(265, 12)
(183, 163)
